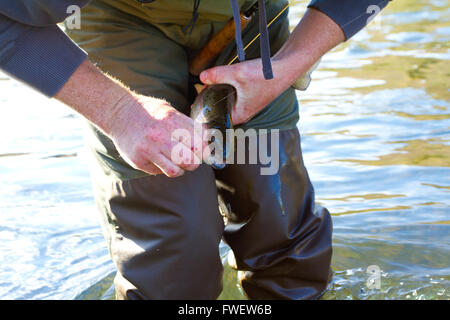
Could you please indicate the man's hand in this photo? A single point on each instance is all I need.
(141, 127)
(315, 35)
(142, 130)
(253, 91)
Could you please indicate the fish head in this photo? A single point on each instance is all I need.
(213, 106)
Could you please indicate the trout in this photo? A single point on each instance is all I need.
(212, 108)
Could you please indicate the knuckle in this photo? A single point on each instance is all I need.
(241, 74)
(140, 151)
(155, 136)
(213, 75)
(187, 165)
(171, 114)
(135, 158)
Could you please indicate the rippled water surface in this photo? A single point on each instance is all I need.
(375, 125)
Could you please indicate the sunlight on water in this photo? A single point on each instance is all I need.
(375, 127)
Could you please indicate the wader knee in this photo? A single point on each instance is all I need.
(164, 236)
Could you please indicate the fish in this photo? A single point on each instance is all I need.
(303, 82)
(212, 108)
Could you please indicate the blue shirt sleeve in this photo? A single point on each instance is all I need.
(33, 49)
(38, 13)
(350, 15)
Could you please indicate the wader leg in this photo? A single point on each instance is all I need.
(163, 234)
(279, 237)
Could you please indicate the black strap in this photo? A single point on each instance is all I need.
(238, 32)
(264, 42)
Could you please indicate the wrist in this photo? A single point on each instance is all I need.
(315, 35)
(290, 65)
(123, 113)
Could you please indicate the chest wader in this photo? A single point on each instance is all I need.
(163, 234)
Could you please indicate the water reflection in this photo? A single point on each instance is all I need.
(430, 152)
(375, 127)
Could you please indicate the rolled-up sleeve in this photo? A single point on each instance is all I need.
(350, 15)
(39, 53)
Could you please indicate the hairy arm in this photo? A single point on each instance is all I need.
(326, 24)
(140, 126)
(34, 50)
(314, 36)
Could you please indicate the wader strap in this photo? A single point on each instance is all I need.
(194, 19)
(264, 42)
(238, 36)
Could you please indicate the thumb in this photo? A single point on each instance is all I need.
(220, 74)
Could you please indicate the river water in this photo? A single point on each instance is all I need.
(375, 127)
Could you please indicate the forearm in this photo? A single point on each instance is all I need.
(315, 35)
(141, 127)
(96, 96)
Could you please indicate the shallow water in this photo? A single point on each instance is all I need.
(375, 136)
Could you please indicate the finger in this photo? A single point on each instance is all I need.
(151, 169)
(168, 167)
(219, 74)
(193, 137)
(200, 140)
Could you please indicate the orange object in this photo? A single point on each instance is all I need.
(217, 43)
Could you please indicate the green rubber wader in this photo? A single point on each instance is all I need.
(163, 234)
